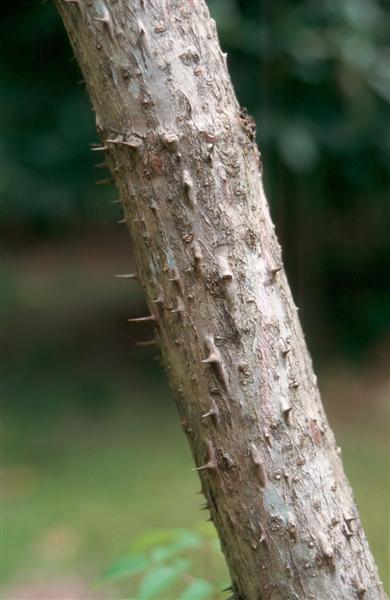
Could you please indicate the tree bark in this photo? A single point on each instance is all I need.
(183, 156)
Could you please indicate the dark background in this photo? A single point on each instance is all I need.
(91, 436)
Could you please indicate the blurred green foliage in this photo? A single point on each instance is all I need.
(46, 179)
(166, 565)
(316, 77)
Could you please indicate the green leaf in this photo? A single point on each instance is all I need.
(163, 537)
(158, 580)
(127, 566)
(198, 590)
(188, 541)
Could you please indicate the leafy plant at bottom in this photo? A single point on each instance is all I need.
(159, 563)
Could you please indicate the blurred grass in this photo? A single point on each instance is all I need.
(93, 450)
(81, 486)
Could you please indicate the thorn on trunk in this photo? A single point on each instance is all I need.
(127, 276)
(180, 308)
(105, 19)
(263, 536)
(198, 256)
(284, 347)
(189, 188)
(142, 319)
(211, 463)
(142, 36)
(273, 271)
(214, 358)
(177, 280)
(294, 384)
(359, 588)
(326, 548)
(291, 527)
(259, 465)
(106, 181)
(210, 413)
(224, 270)
(147, 343)
(349, 519)
(213, 412)
(116, 140)
(286, 408)
(134, 142)
(159, 300)
(170, 141)
(267, 439)
(348, 532)
(99, 148)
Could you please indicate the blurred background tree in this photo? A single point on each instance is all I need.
(316, 77)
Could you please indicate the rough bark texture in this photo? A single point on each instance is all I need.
(183, 156)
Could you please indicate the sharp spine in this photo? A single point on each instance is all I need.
(211, 464)
(259, 465)
(214, 357)
(127, 275)
(180, 308)
(177, 279)
(106, 181)
(142, 319)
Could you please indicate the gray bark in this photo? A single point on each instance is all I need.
(183, 156)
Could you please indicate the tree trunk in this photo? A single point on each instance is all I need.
(183, 156)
